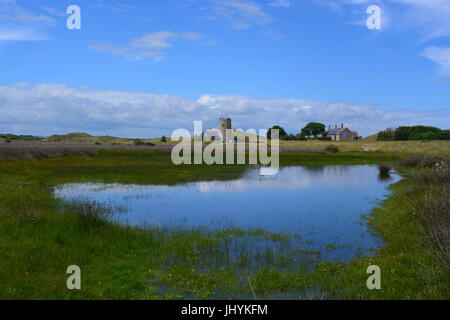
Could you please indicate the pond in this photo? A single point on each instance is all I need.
(321, 205)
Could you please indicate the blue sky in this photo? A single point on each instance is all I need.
(145, 68)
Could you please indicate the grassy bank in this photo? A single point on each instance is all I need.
(39, 238)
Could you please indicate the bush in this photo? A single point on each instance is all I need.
(430, 200)
(386, 135)
(384, 169)
(420, 161)
(332, 148)
(420, 133)
(439, 174)
(139, 142)
(433, 213)
(163, 139)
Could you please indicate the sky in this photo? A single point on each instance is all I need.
(143, 68)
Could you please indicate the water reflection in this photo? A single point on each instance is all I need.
(322, 204)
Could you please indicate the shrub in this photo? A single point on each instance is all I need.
(420, 161)
(386, 135)
(332, 148)
(139, 142)
(90, 212)
(163, 139)
(384, 169)
(97, 142)
(433, 211)
(439, 174)
(420, 133)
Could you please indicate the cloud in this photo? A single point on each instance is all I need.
(241, 14)
(440, 55)
(10, 11)
(429, 18)
(153, 45)
(113, 7)
(45, 109)
(280, 3)
(21, 35)
(19, 24)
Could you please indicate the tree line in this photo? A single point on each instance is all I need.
(313, 130)
(413, 133)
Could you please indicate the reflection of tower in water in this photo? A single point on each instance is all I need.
(338, 171)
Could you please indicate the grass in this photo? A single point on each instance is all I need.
(441, 148)
(37, 242)
(332, 148)
(39, 151)
(369, 144)
(91, 213)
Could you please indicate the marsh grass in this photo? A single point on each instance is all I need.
(421, 161)
(121, 262)
(430, 198)
(433, 211)
(19, 151)
(91, 213)
(23, 207)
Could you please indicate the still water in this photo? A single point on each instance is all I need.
(322, 204)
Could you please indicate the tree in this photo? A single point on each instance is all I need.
(313, 129)
(282, 133)
(417, 133)
(386, 135)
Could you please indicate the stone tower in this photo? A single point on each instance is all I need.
(225, 123)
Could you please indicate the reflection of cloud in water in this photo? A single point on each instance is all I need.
(329, 203)
(288, 178)
(292, 178)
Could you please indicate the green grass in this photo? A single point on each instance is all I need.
(38, 241)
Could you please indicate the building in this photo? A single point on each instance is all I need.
(341, 134)
(225, 123)
(218, 134)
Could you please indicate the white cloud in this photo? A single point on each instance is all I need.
(21, 35)
(440, 55)
(113, 7)
(241, 14)
(152, 45)
(56, 108)
(280, 3)
(429, 18)
(19, 24)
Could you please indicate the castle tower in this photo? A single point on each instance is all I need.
(225, 123)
